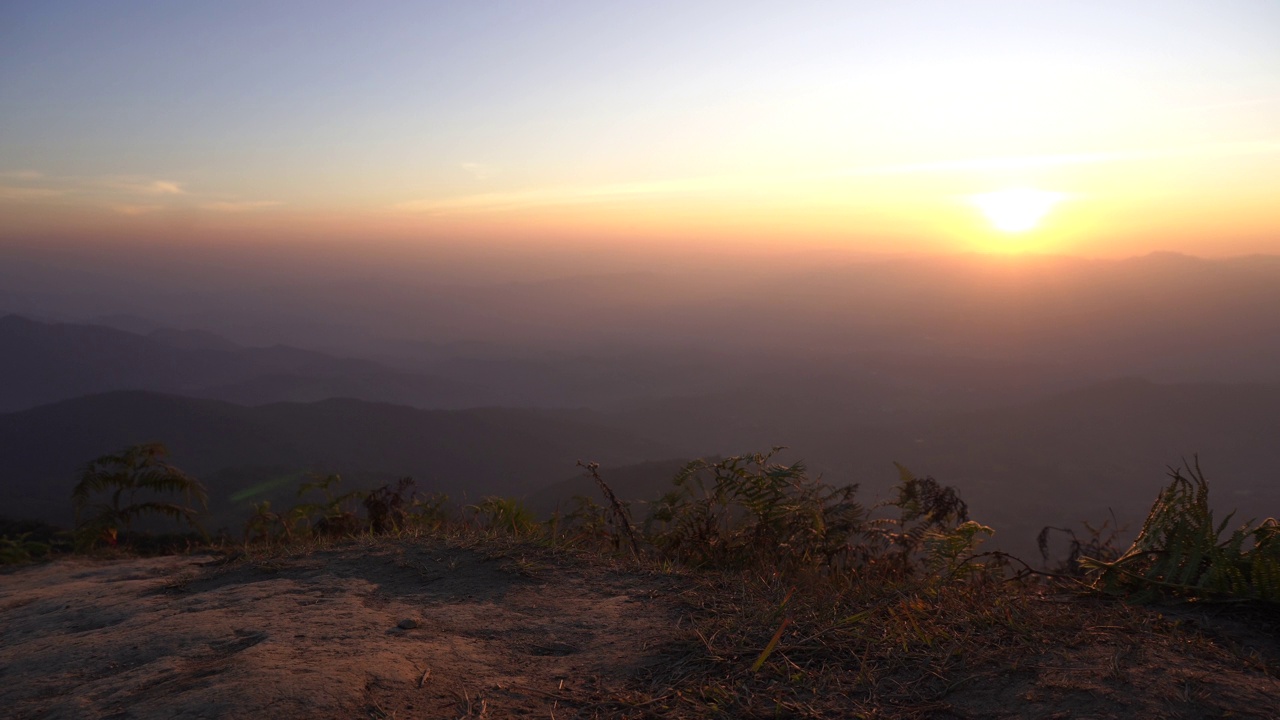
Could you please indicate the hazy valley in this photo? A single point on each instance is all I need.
(1048, 390)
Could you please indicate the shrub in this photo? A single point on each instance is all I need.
(333, 516)
(139, 469)
(750, 510)
(387, 509)
(1099, 543)
(427, 513)
(22, 549)
(1180, 551)
(586, 522)
(267, 526)
(506, 515)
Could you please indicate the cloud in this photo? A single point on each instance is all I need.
(163, 187)
(34, 184)
(21, 175)
(570, 195)
(135, 185)
(130, 195)
(229, 206)
(14, 193)
(135, 210)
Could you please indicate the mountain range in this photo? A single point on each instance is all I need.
(464, 453)
(47, 362)
(1072, 457)
(1049, 390)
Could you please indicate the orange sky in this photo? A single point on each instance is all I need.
(873, 127)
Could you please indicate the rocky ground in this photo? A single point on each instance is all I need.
(436, 629)
(388, 630)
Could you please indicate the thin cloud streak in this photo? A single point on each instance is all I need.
(123, 194)
(1258, 147)
(136, 210)
(580, 195)
(27, 194)
(21, 175)
(572, 195)
(41, 185)
(140, 186)
(228, 206)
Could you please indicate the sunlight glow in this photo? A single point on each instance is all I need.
(1016, 210)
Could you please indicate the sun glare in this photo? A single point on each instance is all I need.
(1016, 210)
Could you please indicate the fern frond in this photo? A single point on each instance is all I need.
(1180, 550)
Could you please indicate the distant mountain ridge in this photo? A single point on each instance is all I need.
(1164, 315)
(1060, 459)
(1074, 455)
(461, 452)
(1055, 460)
(986, 372)
(47, 362)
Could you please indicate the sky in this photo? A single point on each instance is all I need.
(1089, 128)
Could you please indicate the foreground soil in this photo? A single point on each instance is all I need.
(389, 630)
(443, 629)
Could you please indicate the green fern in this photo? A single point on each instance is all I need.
(21, 549)
(334, 516)
(120, 477)
(1181, 552)
(748, 510)
(267, 526)
(506, 515)
(950, 551)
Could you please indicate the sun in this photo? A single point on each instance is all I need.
(1016, 210)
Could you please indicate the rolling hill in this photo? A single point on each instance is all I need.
(465, 453)
(47, 362)
(1058, 460)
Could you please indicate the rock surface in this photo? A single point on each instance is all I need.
(323, 635)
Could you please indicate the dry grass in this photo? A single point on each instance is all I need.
(871, 647)
(953, 650)
(907, 623)
(905, 646)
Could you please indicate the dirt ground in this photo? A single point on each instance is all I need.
(428, 629)
(395, 630)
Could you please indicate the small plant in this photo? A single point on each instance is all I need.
(588, 522)
(929, 502)
(749, 510)
(334, 516)
(619, 516)
(267, 526)
(392, 510)
(947, 552)
(21, 549)
(932, 532)
(506, 515)
(1100, 544)
(387, 509)
(121, 477)
(1180, 551)
(427, 513)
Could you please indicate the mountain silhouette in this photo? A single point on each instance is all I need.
(48, 362)
(465, 453)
